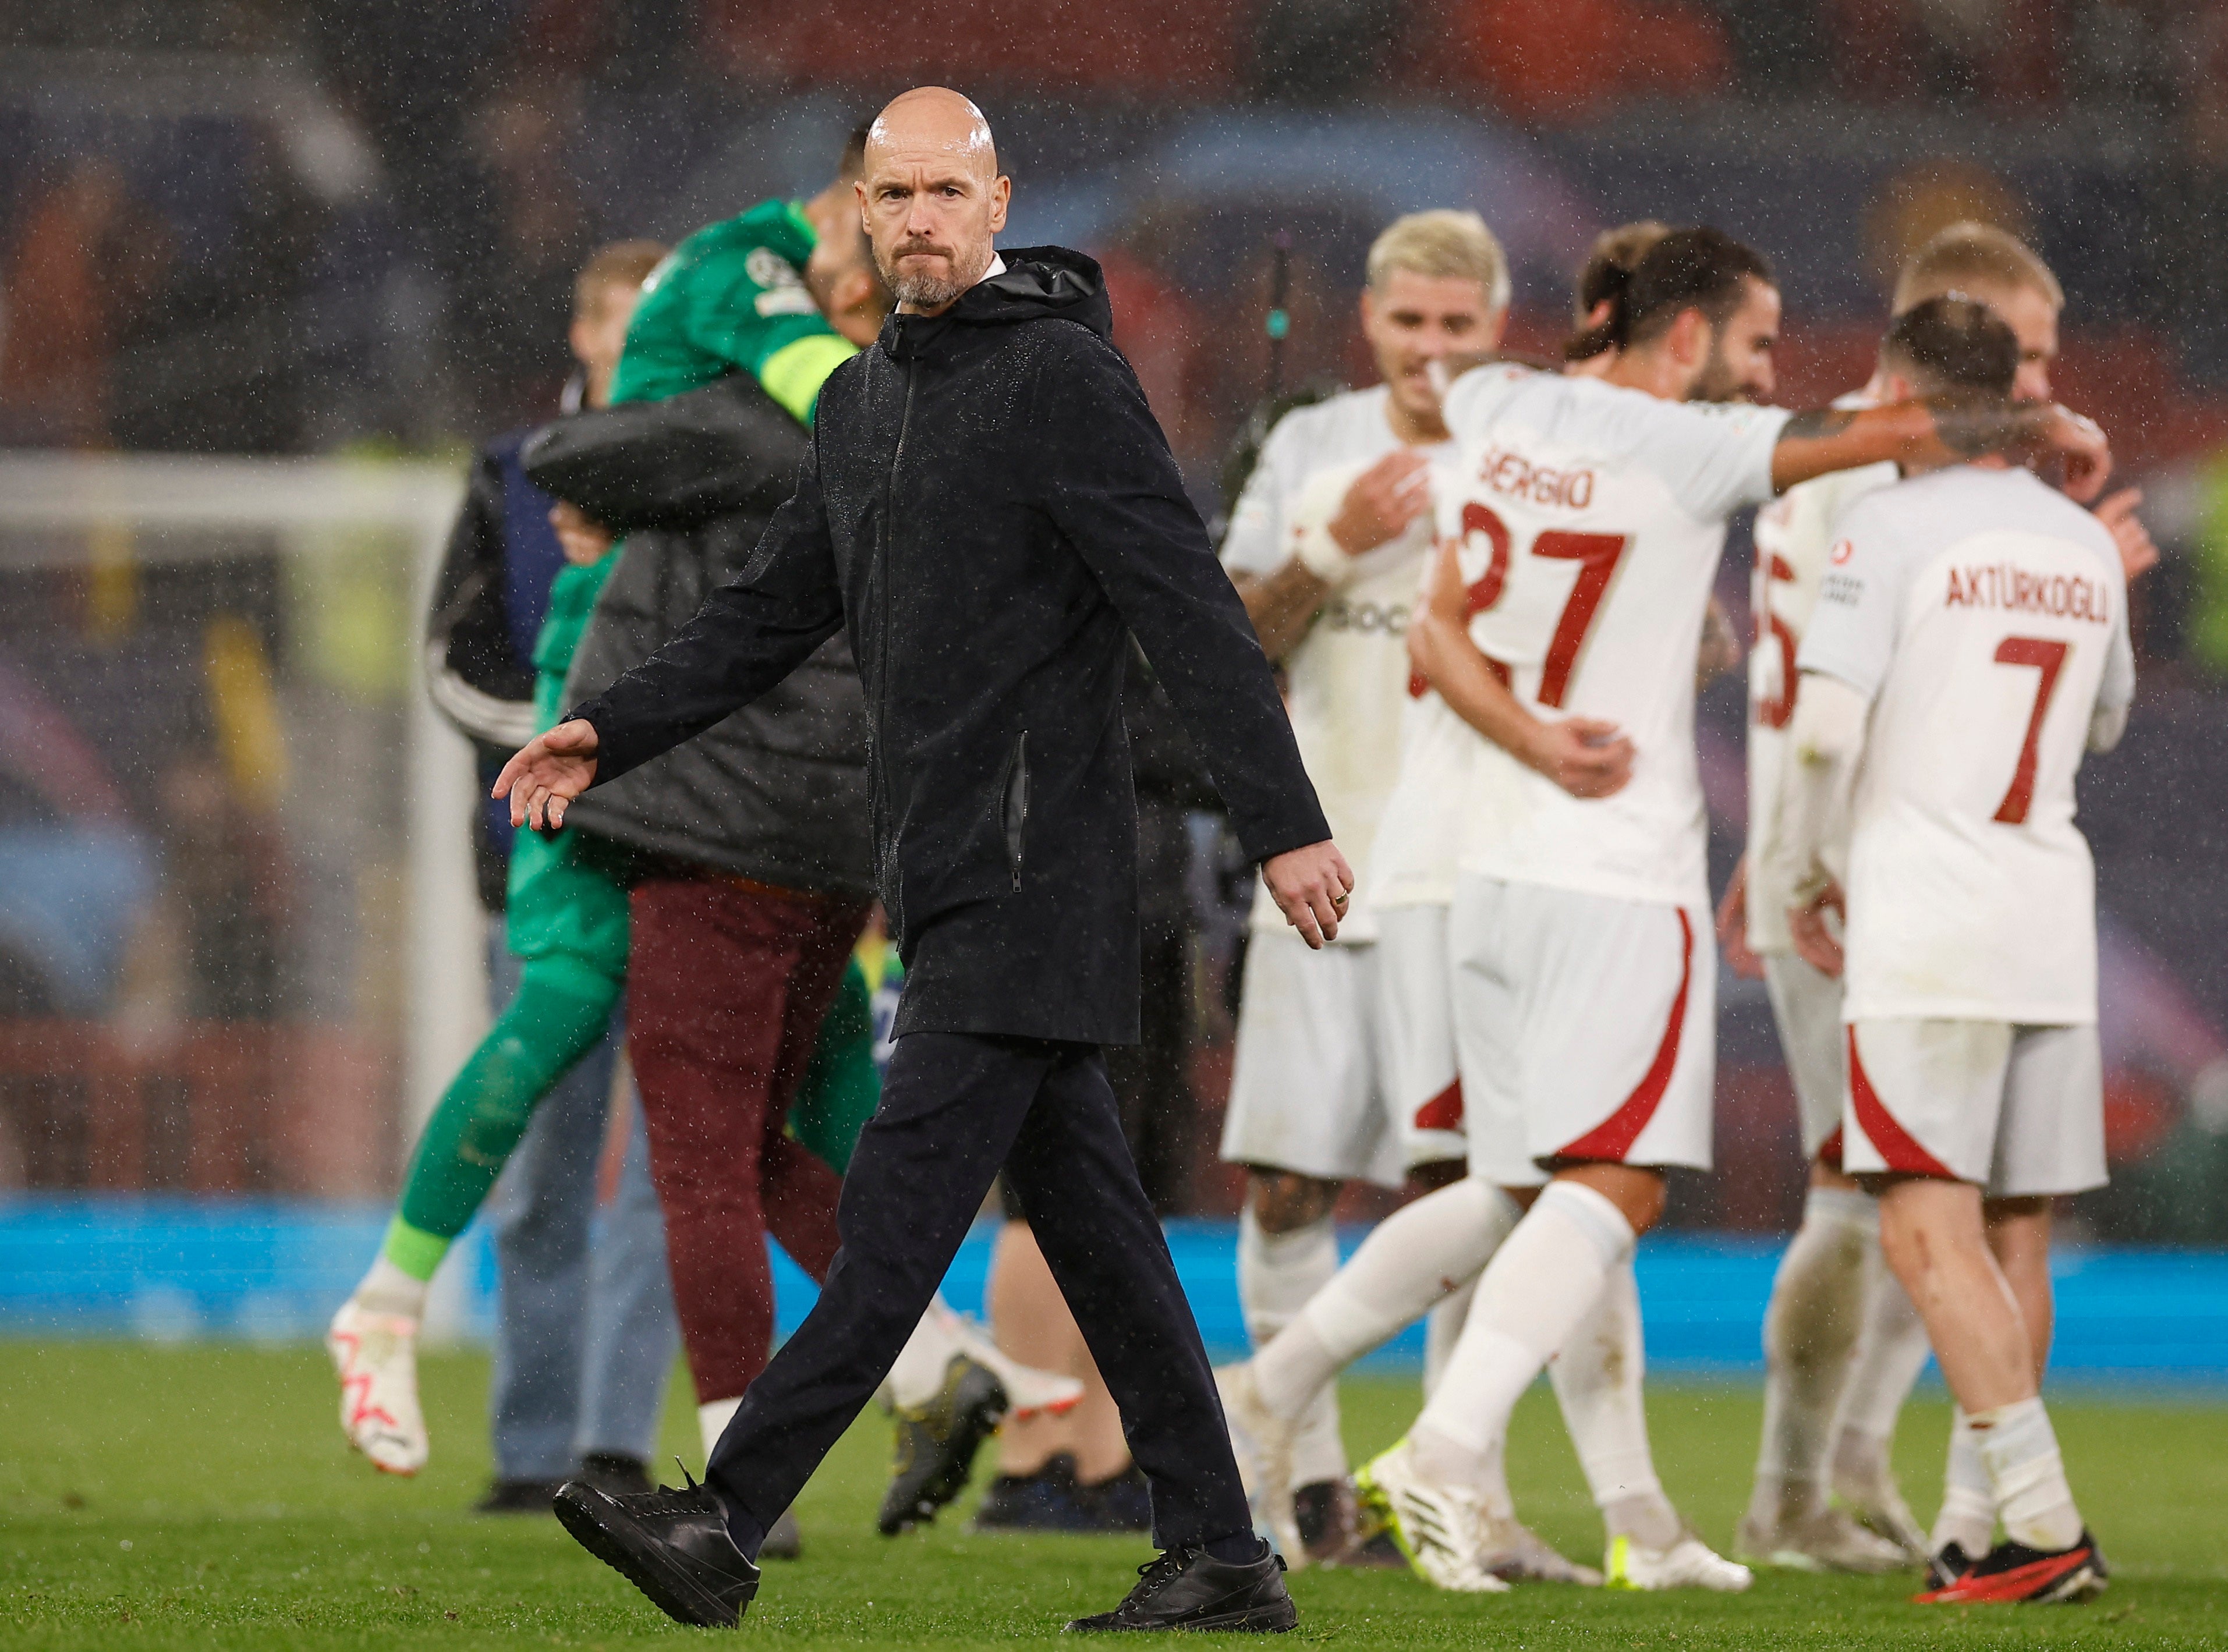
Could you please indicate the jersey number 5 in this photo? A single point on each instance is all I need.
(2046, 657)
(1596, 556)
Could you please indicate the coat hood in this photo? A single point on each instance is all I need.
(1038, 282)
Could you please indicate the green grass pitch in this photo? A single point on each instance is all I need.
(201, 1497)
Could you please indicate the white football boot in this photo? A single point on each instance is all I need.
(376, 1356)
(1688, 1564)
(1516, 1554)
(1444, 1529)
(1263, 1442)
(1028, 1390)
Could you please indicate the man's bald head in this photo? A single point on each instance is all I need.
(932, 196)
(931, 119)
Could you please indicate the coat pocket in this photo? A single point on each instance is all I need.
(1017, 793)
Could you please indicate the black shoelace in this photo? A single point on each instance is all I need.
(1161, 1571)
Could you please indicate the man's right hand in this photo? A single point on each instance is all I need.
(583, 542)
(1814, 941)
(548, 773)
(1585, 756)
(1383, 501)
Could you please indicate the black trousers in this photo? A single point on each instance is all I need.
(956, 1108)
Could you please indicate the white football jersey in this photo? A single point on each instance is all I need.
(1346, 680)
(1985, 614)
(1792, 535)
(1591, 519)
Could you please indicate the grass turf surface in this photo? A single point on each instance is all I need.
(201, 1496)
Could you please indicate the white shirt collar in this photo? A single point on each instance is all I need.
(998, 267)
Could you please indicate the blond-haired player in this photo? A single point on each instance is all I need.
(1842, 1344)
(1327, 545)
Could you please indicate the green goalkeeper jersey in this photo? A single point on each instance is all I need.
(732, 298)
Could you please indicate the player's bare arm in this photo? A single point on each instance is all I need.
(546, 773)
(1377, 508)
(1311, 887)
(2139, 552)
(1586, 757)
(1938, 430)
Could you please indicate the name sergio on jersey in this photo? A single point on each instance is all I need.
(2003, 585)
(1517, 478)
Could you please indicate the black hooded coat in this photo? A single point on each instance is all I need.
(990, 507)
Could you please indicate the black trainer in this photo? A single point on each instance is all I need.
(1189, 1589)
(936, 1445)
(517, 1497)
(2012, 1571)
(1946, 1565)
(673, 1546)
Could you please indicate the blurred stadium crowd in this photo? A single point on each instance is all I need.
(281, 227)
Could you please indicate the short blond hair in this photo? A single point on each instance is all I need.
(1973, 254)
(619, 264)
(1440, 244)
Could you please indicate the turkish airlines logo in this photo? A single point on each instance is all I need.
(1842, 551)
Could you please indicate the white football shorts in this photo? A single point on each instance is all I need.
(1415, 995)
(1307, 1088)
(2017, 1110)
(1586, 1027)
(1806, 1007)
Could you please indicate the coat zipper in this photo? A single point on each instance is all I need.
(1016, 806)
(883, 676)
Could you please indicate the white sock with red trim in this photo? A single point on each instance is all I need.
(1810, 1329)
(1597, 1378)
(2018, 1450)
(1416, 1256)
(1541, 1285)
(1278, 1273)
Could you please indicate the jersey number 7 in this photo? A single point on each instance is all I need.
(2046, 657)
(1596, 556)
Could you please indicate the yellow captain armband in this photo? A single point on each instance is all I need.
(793, 375)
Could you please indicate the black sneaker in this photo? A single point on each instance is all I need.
(936, 1445)
(1946, 1565)
(673, 1546)
(517, 1497)
(616, 1473)
(1051, 1500)
(1123, 1502)
(1189, 1589)
(2012, 1571)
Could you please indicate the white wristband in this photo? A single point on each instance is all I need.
(1320, 555)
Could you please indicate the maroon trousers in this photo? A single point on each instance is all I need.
(726, 987)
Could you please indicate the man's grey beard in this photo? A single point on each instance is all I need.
(927, 291)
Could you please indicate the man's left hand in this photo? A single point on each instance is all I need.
(1815, 943)
(584, 541)
(1312, 887)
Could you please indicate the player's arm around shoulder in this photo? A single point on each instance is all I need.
(1585, 756)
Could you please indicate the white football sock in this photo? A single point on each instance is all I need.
(1542, 1284)
(1443, 1328)
(918, 1376)
(1811, 1330)
(1598, 1380)
(1410, 1261)
(2018, 1450)
(1890, 1353)
(386, 1290)
(712, 1419)
(1276, 1275)
(1968, 1517)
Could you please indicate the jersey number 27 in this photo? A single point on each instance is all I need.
(1596, 556)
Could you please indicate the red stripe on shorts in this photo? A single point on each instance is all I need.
(1895, 1144)
(1444, 1111)
(1613, 1138)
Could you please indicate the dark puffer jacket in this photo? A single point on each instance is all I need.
(991, 508)
(779, 791)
